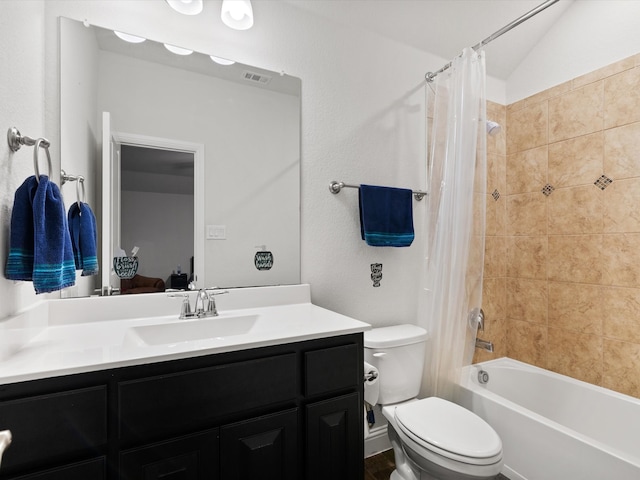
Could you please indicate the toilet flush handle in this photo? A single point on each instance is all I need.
(379, 354)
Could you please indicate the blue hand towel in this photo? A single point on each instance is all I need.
(53, 266)
(40, 246)
(20, 261)
(386, 216)
(83, 232)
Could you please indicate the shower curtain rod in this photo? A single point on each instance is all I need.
(431, 75)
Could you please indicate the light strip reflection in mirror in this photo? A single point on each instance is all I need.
(128, 37)
(177, 50)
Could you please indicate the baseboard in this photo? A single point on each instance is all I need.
(377, 441)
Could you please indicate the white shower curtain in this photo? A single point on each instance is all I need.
(454, 252)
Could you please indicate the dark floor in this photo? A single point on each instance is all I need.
(380, 466)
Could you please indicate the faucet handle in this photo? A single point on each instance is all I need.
(476, 319)
(185, 310)
(218, 292)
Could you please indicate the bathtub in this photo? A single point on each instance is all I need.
(554, 427)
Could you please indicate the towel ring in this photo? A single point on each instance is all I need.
(84, 194)
(45, 146)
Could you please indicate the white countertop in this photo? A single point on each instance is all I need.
(75, 344)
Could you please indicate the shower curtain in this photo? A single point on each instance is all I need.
(451, 293)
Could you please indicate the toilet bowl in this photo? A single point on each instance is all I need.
(432, 438)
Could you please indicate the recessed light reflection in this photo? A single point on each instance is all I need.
(221, 61)
(178, 50)
(129, 38)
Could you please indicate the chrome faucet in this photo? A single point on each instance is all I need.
(484, 345)
(477, 315)
(205, 305)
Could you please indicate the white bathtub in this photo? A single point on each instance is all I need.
(554, 427)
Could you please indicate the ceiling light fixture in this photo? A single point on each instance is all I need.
(186, 7)
(237, 14)
(178, 50)
(129, 38)
(221, 61)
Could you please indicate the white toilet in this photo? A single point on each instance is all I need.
(432, 438)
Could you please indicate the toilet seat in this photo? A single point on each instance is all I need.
(449, 430)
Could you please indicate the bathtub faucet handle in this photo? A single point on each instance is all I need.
(476, 319)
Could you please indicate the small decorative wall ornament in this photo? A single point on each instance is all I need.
(125, 267)
(376, 273)
(603, 182)
(263, 259)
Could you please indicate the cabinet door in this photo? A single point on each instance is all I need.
(265, 448)
(192, 457)
(90, 470)
(335, 439)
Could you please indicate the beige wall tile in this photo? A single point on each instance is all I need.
(621, 202)
(576, 210)
(576, 355)
(494, 301)
(527, 342)
(494, 257)
(604, 72)
(527, 257)
(577, 307)
(526, 171)
(549, 93)
(527, 214)
(622, 151)
(496, 216)
(577, 161)
(622, 367)
(622, 98)
(621, 313)
(575, 258)
(527, 300)
(575, 113)
(527, 128)
(620, 259)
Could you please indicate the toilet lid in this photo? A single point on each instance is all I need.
(449, 427)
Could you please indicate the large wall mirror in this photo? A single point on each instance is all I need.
(195, 162)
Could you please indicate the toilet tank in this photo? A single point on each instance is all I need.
(398, 354)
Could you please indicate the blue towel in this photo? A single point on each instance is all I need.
(83, 232)
(42, 251)
(386, 216)
(20, 261)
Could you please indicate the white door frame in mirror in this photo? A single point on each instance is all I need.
(197, 149)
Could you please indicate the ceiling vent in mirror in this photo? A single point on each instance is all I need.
(260, 78)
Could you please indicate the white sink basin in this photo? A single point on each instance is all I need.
(190, 330)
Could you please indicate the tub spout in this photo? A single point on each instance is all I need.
(484, 345)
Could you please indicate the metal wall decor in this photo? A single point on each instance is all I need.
(376, 274)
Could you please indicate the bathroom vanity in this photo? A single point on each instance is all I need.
(291, 409)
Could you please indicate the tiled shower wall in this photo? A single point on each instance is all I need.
(562, 262)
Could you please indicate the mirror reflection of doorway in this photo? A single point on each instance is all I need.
(157, 212)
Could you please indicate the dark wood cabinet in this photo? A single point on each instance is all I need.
(92, 470)
(188, 458)
(264, 448)
(285, 412)
(334, 438)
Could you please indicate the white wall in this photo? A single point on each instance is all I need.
(22, 96)
(161, 224)
(590, 35)
(362, 122)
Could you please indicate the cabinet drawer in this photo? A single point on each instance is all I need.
(91, 470)
(331, 369)
(191, 457)
(53, 428)
(265, 447)
(162, 406)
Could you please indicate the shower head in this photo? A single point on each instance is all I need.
(493, 128)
